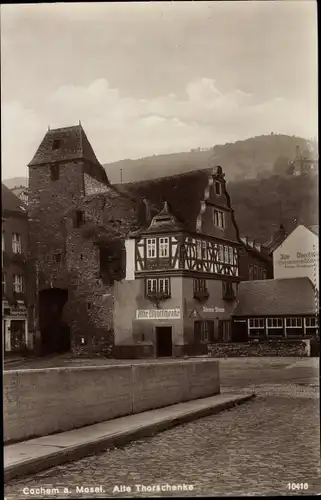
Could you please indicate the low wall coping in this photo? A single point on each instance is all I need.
(181, 361)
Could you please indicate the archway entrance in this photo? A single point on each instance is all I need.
(55, 334)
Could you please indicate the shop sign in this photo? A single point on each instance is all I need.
(213, 309)
(158, 314)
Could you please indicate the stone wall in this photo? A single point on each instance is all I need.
(265, 348)
(42, 402)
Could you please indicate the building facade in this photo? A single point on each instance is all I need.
(14, 274)
(298, 255)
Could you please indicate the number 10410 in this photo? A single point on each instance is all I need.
(298, 486)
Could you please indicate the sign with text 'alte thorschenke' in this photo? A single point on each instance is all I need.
(158, 313)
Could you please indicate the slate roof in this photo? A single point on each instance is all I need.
(11, 203)
(183, 192)
(68, 143)
(291, 296)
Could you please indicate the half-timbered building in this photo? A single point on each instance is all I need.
(182, 270)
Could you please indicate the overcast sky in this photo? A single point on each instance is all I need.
(152, 78)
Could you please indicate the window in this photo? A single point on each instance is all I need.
(89, 306)
(79, 218)
(17, 283)
(230, 255)
(151, 286)
(163, 247)
(275, 323)
(151, 248)
(204, 331)
(256, 323)
(218, 218)
(250, 272)
(199, 249)
(204, 249)
(226, 255)
(3, 283)
(158, 285)
(218, 188)
(227, 288)
(221, 253)
(311, 322)
(54, 172)
(163, 286)
(58, 257)
(55, 144)
(293, 322)
(199, 285)
(16, 243)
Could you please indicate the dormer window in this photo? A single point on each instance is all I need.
(163, 247)
(218, 218)
(151, 248)
(54, 172)
(218, 188)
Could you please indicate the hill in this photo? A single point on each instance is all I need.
(14, 182)
(262, 204)
(239, 160)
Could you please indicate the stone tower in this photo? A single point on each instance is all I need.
(74, 236)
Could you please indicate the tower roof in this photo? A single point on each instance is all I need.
(61, 144)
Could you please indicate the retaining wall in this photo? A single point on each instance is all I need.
(46, 401)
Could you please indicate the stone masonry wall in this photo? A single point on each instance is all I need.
(268, 348)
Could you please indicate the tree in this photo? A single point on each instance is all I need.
(281, 165)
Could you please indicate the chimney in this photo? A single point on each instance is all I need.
(148, 214)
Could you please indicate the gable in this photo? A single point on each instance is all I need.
(301, 240)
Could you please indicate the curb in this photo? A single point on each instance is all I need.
(74, 453)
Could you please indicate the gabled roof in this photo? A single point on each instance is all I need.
(11, 203)
(314, 229)
(291, 296)
(68, 143)
(183, 192)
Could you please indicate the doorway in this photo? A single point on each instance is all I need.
(17, 335)
(55, 334)
(164, 346)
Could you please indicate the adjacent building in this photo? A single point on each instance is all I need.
(14, 254)
(298, 255)
(21, 192)
(276, 309)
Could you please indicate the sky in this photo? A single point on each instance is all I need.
(156, 77)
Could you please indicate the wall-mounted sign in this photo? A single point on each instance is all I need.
(308, 259)
(158, 313)
(194, 313)
(213, 309)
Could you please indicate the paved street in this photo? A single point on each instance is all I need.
(257, 448)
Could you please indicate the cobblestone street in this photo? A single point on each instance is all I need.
(257, 448)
